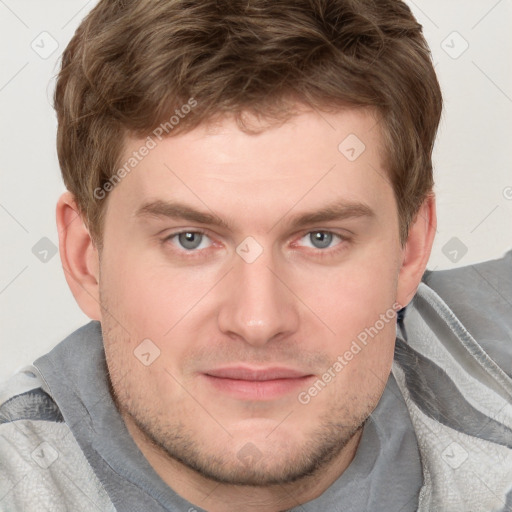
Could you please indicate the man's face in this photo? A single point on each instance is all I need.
(250, 318)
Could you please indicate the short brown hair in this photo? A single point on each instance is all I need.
(132, 62)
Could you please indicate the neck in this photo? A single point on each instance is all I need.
(219, 497)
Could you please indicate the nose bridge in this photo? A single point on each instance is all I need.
(258, 306)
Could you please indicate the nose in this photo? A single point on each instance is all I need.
(258, 304)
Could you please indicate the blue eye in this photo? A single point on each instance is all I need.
(188, 240)
(321, 239)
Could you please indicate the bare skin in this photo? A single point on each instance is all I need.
(240, 335)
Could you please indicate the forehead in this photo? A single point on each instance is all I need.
(312, 158)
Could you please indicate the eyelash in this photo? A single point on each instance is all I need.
(321, 253)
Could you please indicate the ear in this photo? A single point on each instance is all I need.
(417, 250)
(79, 256)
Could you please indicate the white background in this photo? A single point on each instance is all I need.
(473, 156)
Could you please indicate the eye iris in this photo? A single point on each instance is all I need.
(190, 240)
(321, 239)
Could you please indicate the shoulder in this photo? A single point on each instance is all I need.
(22, 397)
(41, 465)
(480, 296)
(489, 279)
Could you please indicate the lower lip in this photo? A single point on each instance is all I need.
(258, 389)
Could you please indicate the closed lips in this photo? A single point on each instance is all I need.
(249, 374)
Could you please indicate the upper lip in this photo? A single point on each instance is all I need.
(256, 374)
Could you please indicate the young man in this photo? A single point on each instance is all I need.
(249, 212)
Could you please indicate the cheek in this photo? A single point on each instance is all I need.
(352, 297)
(360, 363)
(357, 303)
(148, 296)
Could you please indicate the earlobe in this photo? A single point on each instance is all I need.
(417, 250)
(79, 256)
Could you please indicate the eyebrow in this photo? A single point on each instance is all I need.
(175, 210)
